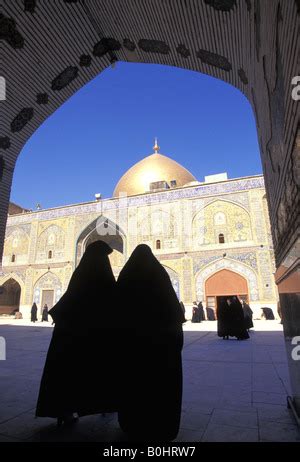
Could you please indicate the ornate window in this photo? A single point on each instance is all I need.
(158, 244)
(50, 254)
(221, 239)
(13, 258)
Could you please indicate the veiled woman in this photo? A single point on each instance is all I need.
(248, 314)
(237, 323)
(195, 313)
(152, 318)
(33, 313)
(201, 311)
(80, 374)
(224, 318)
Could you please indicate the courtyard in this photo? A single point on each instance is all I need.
(233, 391)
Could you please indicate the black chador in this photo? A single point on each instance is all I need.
(80, 371)
(45, 313)
(268, 313)
(152, 376)
(195, 313)
(248, 313)
(237, 323)
(201, 311)
(224, 318)
(33, 313)
(210, 314)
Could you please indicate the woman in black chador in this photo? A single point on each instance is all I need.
(195, 313)
(224, 318)
(248, 314)
(236, 319)
(267, 313)
(80, 371)
(201, 311)
(45, 313)
(151, 386)
(33, 312)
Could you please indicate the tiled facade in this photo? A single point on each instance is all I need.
(187, 222)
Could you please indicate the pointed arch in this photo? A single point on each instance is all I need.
(10, 296)
(14, 276)
(47, 282)
(101, 228)
(226, 263)
(17, 244)
(236, 225)
(51, 239)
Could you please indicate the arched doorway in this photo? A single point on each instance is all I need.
(222, 283)
(103, 229)
(226, 39)
(10, 293)
(47, 290)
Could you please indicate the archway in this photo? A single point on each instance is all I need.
(228, 40)
(104, 229)
(47, 289)
(231, 266)
(10, 294)
(225, 282)
(247, 43)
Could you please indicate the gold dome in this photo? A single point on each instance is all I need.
(155, 167)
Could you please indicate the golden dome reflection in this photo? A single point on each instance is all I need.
(154, 168)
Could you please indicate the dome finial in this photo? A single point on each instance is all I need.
(156, 147)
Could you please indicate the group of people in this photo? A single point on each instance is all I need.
(116, 347)
(34, 310)
(198, 312)
(234, 318)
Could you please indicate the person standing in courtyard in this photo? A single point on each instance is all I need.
(201, 311)
(267, 313)
(195, 313)
(224, 318)
(151, 355)
(80, 373)
(236, 319)
(45, 313)
(210, 314)
(248, 314)
(34, 312)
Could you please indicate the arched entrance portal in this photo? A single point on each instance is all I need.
(250, 44)
(10, 294)
(222, 283)
(103, 229)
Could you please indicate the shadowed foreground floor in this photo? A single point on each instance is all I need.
(233, 391)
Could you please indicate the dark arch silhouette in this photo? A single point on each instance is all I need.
(10, 293)
(101, 229)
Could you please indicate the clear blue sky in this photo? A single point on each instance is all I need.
(87, 144)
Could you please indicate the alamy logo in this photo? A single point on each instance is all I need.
(296, 90)
(296, 349)
(2, 89)
(2, 349)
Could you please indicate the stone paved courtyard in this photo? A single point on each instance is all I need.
(233, 391)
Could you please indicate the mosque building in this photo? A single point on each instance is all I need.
(213, 237)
